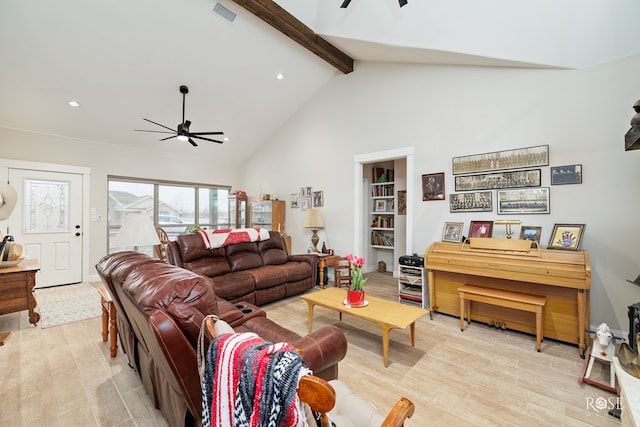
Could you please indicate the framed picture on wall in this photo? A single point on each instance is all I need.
(490, 181)
(524, 201)
(402, 202)
(318, 199)
(566, 236)
(569, 174)
(481, 229)
(295, 200)
(498, 160)
(305, 202)
(480, 201)
(433, 186)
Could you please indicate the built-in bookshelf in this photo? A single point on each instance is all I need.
(383, 203)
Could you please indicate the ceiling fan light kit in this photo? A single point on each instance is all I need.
(345, 3)
(182, 132)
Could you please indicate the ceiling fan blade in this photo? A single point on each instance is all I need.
(169, 137)
(192, 142)
(166, 127)
(206, 139)
(206, 133)
(154, 131)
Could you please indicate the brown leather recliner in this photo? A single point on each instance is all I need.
(160, 311)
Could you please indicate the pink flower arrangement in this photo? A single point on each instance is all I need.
(357, 281)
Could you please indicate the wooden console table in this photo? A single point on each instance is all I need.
(16, 289)
(563, 277)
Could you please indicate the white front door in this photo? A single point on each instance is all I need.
(47, 221)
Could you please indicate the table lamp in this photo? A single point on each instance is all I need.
(137, 230)
(313, 220)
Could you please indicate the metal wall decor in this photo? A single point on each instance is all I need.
(524, 201)
(499, 160)
(481, 201)
(488, 181)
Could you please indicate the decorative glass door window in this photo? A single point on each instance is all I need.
(46, 206)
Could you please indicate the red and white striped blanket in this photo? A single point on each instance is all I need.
(250, 382)
(231, 236)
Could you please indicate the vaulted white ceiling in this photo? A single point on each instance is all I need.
(125, 60)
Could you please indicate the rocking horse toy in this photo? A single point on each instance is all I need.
(603, 348)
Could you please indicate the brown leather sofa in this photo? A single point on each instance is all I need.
(256, 272)
(160, 311)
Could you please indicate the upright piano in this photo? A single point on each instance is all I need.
(562, 276)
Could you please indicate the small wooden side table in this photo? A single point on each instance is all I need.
(325, 261)
(109, 324)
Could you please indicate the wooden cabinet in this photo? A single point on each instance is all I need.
(268, 214)
(382, 215)
(238, 212)
(16, 289)
(412, 286)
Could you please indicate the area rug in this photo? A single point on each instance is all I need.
(69, 303)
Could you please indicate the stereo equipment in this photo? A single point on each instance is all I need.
(412, 260)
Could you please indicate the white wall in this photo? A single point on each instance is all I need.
(450, 111)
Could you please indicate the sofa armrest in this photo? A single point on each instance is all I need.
(311, 259)
(173, 254)
(323, 349)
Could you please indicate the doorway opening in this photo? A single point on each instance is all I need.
(365, 213)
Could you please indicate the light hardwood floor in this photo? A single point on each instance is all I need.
(63, 376)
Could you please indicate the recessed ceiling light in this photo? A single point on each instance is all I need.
(279, 76)
(73, 103)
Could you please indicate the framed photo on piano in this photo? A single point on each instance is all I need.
(481, 229)
(452, 232)
(566, 236)
(528, 232)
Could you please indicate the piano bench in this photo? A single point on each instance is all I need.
(531, 303)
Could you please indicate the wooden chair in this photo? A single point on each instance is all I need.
(321, 396)
(342, 269)
(161, 249)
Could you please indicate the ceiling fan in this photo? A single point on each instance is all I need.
(182, 132)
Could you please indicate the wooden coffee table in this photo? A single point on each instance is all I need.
(387, 314)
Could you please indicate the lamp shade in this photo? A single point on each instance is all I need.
(137, 230)
(313, 219)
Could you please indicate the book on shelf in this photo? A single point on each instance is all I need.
(382, 190)
(379, 239)
(382, 222)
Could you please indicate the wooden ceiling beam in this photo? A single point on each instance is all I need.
(287, 24)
